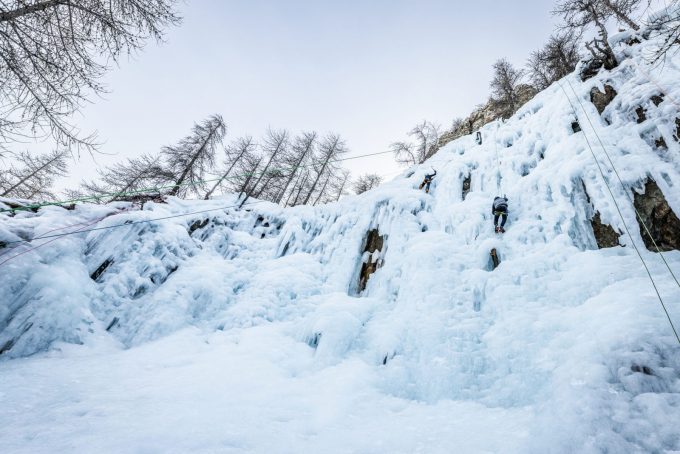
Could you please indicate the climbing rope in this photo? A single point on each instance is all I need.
(499, 176)
(159, 188)
(57, 236)
(616, 204)
(630, 200)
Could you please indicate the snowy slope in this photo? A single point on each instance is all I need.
(247, 331)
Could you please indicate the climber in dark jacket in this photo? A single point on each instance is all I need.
(499, 209)
(427, 181)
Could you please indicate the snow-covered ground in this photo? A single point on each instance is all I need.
(246, 330)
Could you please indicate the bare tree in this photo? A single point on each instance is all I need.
(578, 15)
(53, 53)
(301, 151)
(426, 135)
(331, 148)
(246, 173)
(235, 152)
(555, 60)
(194, 156)
(367, 182)
(622, 9)
(274, 147)
(138, 177)
(32, 177)
(504, 87)
(666, 25)
(339, 188)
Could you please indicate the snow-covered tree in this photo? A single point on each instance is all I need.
(32, 177)
(194, 156)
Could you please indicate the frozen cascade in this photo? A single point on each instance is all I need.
(248, 330)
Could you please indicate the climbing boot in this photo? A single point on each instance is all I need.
(498, 229)
(501, 229)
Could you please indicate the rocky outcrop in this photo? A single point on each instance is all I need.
(372, 257)
(605, 235)
(482, 115)
(602, 100)
(658, 217)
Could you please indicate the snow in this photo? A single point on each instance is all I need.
(249, 333)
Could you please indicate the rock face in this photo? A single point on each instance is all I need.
(372, 257)
(605, 235)
(677, 129)
(602, 100)
(466, 185)
(658, 217)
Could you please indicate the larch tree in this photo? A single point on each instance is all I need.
(235, 153)
(274, 147)
(53, 54)
(32, 177)
(135, 178)
(194, 156)
(330, 150)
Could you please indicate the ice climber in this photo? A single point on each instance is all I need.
(499, 209)
(428, 181)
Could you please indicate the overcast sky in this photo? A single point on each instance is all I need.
(368, 70)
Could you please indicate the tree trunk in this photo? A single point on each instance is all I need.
(27, 177)
(622, 17)
(29, 9)
(187, 169)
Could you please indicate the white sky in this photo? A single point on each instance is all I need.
(368, 70)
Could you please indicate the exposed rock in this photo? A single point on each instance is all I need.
(575, 126)
(466, 185)
(605, 235)
(198, 225)
(602, 100)
(658, 217)
(661, 143)
(374, 246)
(495, 260)
(677, 129)
(100, 269)
(113, 323)
(642, 369)
(641, 115)
(657, 99)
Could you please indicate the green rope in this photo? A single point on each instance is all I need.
(160, 188)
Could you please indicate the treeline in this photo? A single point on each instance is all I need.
(281, 168)
(511, 87)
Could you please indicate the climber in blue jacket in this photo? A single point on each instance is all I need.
(499, 209)
(427, 181)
